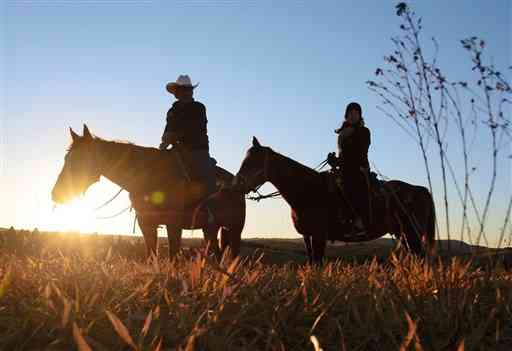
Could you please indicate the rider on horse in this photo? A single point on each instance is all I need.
(186, 131)
(352, 161)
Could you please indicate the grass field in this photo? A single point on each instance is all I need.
(83, 292)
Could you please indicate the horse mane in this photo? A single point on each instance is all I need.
(297, 164)
(129, 146)
(111, 142)
(117, 141)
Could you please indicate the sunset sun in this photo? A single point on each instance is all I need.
(77, 216)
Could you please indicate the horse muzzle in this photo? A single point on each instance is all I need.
(60, 197)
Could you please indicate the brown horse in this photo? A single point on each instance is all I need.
(154, 179)
(404, 210)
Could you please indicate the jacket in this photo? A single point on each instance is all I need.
(187, 120)
(353, 146)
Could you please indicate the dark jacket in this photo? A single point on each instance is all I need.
(188, 121)
(353, 148)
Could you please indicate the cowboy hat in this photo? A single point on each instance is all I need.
(181, 81)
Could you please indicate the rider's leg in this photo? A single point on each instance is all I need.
(202, 174)
(362, 201)
(357, 194)
(201, 170)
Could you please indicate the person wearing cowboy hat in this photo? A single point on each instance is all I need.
(352, 161)
(186, 130)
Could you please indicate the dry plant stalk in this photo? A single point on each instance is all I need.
(430, 107)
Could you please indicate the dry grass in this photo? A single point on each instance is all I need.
(77, 292)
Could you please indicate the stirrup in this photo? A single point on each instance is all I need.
(359, 233)
(358, 230)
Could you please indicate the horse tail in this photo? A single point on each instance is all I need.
(423, 222)
(431, 225)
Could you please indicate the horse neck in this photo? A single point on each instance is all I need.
(122, 163)
(290, 178)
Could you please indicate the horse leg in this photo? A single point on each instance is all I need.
(150, 237)
(230, 238)
(309, 250)
(426, 218)
(174, 233)
(415, 216)
(405, 231)
(212, 243)
(413, 227)
(430, 229)
(413, 242)
(318, 243)
(410, 234)
(224, 239)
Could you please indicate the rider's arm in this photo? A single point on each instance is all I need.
(170, 135)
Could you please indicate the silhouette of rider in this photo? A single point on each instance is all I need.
(186, 130)
(353, 143)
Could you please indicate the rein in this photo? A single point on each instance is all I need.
(116, 214)
(109, 201)
(263, 196)
(274, 194)
(120, 212)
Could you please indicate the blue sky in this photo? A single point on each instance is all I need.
(283, 72)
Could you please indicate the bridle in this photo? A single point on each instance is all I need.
(245, 180)
(93, 176)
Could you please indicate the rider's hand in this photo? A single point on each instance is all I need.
(163, 146)
(169, 138)
(332, 160)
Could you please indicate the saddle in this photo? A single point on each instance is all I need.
(336, 183)
(186, 199)
(342, 211)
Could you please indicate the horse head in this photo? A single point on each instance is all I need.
(253, 172)
(80, 168)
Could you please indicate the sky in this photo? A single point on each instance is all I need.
(283, 72)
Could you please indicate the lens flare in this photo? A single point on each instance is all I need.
(157, 198)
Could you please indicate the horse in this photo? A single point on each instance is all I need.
(405, 210)
(155, 183)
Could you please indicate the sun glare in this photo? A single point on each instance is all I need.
(76, 216)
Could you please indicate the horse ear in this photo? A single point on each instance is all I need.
(87, 133)
(74, 136)
(255, 142)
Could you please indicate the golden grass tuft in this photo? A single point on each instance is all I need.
(98, 297)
